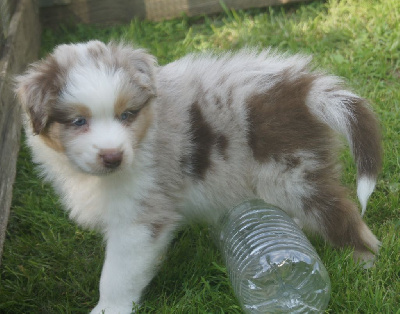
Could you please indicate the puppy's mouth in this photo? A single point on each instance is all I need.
(107, 171)
(102, 170)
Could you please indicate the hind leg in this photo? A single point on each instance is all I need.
(338, 220)
(313, 196)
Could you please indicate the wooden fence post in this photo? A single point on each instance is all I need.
(20, 46)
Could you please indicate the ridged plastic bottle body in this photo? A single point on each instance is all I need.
(272, 265)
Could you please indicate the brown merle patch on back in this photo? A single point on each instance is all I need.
(280, 122)
(198, 161)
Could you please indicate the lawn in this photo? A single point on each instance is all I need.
(52, 266)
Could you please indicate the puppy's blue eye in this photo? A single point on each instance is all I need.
(124, 115)
(79, 121)
(128, 114)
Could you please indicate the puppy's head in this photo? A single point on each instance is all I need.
(90, 101)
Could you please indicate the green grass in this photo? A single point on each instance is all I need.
(51, 266)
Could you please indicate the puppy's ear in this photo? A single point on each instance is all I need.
(38, 89)
(144, 68)
(140, 65)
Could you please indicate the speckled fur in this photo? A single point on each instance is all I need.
(134, 149)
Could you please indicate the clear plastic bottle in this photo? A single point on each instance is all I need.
(272, 266)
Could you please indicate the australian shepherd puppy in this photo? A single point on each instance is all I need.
(133, 149)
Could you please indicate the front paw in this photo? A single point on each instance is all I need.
(112, 309)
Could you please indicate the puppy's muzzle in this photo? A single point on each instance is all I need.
(111, 158)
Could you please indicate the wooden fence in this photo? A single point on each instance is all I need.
(54, 12)
(19, 45)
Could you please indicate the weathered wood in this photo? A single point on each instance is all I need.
(166, 9)
(123, 11)
(21, 47)
(50, 3)
(6, 10)
(93, 11)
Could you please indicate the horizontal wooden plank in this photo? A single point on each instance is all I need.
(50, 3)
(167, 9)
(93, 11)
(123, 11)
(21, 47)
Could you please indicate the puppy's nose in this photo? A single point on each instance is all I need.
(111, 158)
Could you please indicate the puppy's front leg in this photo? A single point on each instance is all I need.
(132, 255)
